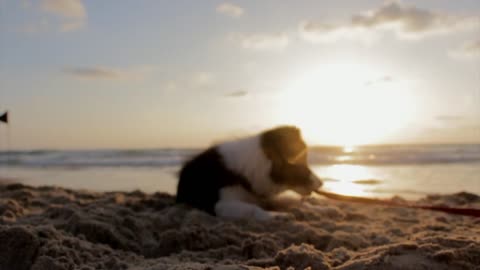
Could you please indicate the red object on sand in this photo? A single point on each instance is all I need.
(451, 210)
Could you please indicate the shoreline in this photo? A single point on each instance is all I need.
(56, 228)
(411, 182)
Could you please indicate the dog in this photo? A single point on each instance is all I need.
(235, 179)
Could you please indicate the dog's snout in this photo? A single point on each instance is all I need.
(316, 182)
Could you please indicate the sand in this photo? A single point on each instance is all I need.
(56, 228)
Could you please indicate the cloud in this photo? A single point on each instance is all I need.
(384, 79)
(65, 8)
(236, 94)
(458, 122)
(25, 4)
(202, 78)
(170, 86)
(449, 118)
(261, 41)
(452, 120)
(68, 15)
(319, 32)
(189, 81)
(230, 9)
(71, 26)
(38, 27)
(106, 73)
(405, 21)
(466, 51)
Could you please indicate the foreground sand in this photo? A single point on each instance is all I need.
(55, 228)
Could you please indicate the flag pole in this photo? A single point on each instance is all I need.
(4, 118)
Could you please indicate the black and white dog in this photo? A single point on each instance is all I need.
(234, 179)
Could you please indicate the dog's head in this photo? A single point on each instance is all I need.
(287, 151)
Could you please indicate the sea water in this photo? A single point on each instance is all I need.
(410, 171)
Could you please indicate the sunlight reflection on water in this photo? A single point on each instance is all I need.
(408, 181)
(340, 179)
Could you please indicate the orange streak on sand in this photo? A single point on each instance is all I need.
(451, 210)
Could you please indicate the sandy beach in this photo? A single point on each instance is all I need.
(110, 109)
(56, 228)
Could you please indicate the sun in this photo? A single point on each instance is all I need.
(345, 104)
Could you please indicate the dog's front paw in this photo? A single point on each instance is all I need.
(263, 215)
(282, 216)
(313, 207)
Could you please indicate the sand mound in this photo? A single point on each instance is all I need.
(55, 228)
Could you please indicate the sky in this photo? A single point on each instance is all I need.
(83, 74)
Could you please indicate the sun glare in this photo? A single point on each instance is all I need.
(348, 149)
(345, 104)
(344, 176)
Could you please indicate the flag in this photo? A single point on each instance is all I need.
(4, 117)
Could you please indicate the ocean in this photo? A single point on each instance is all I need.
(409, 171)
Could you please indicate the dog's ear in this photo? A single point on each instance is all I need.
(282, 143)
(287, 133)
(294, 132)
